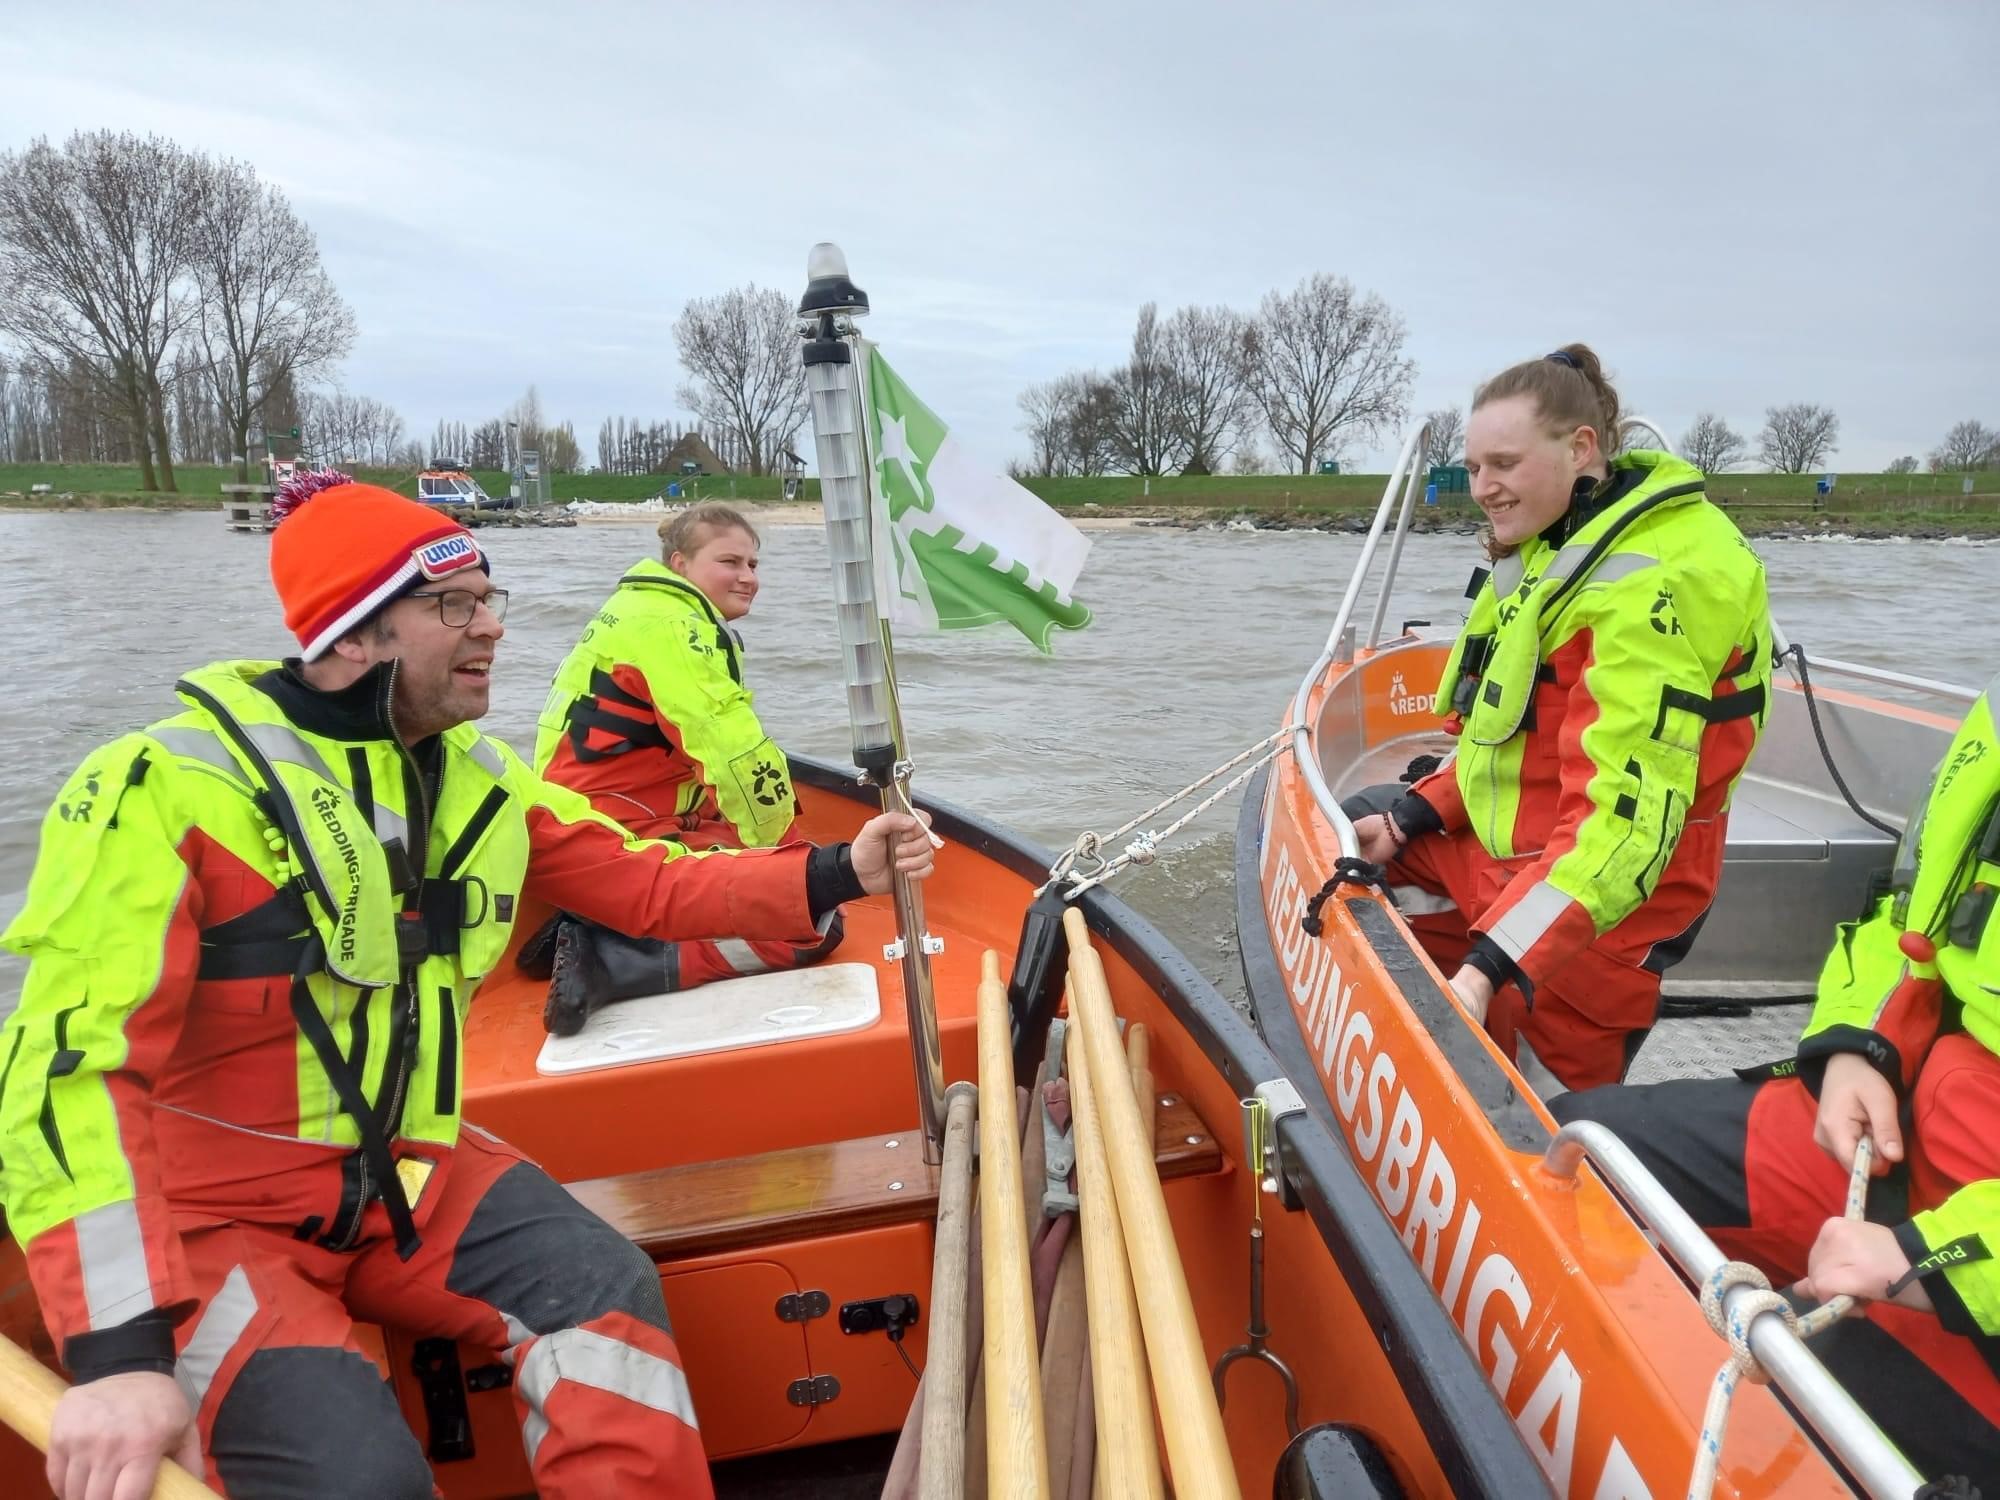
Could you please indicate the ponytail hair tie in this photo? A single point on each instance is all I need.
(1564, 357)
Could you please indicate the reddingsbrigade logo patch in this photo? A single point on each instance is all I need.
(446, 555)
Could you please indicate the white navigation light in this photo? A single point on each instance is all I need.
(825, 260)
(828, 289)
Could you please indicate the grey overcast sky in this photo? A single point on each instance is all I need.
(1737, 204)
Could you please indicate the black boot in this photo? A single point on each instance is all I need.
(595, 966)
(537, 956)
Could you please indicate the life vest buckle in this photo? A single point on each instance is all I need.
(413, 939)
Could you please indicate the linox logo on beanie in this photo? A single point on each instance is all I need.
(446, 556)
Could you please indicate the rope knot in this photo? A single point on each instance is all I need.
(1734, 1326)
(1347, 870)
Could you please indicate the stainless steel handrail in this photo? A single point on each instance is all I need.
(1953, 692)
(1396, 546)
(1665, 444)
(1842, 1425)
(1304, 755)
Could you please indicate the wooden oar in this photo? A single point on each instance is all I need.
(28, 1395)
(1128, 1462)
(1197, 1450)
(1138, 1051)
(943, 1465)
(1017, 1455)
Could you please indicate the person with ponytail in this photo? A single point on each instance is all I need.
(1606, 693)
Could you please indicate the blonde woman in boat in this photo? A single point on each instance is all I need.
(1901, 1047)
(650, 718)
(1606, 693)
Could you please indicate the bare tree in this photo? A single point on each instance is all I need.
(1327, 367)
(1907, 464)
(1069, 423)
(1205, 353)
(560, 453)
(742, 351)
(1712, 445)
(93, 245)
(267, 309)
(450, 442)
(486, 446)
(1797, 437)
(1969, 445)
(1044, 414)
(1143, 434)
(342, 428)
(1444, 442)
(523, 425)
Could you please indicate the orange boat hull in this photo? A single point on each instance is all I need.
(1354, 1359)
(1592, 1342)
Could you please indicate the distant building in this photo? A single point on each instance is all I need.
(692, 450)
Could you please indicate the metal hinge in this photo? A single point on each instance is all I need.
(803, 1307)
(815, 1390)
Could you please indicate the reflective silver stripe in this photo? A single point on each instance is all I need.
(1507, 575)
(112, 1254)
(1530, 919)
(388, 824)
(487, 758)
(279, 743)
(741, 957)
(603, 1363)
(1620, 565)
(199, 744)
(1566, 560)
(222, 1323)
(1415, 901)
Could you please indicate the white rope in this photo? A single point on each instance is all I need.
(1143, 849)
(1735, 1324)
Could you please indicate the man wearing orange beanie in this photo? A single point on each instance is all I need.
(229, 1099)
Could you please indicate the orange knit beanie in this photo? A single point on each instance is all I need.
(343, 550)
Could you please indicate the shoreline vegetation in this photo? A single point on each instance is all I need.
(1919, 506)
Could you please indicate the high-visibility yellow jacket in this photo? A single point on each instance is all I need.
(254, 915)
(649, 717)
(1607, 691)
(1945, 886)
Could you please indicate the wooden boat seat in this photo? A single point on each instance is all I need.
(677, 1213)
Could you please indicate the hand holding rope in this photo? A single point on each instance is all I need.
(1734, 1325)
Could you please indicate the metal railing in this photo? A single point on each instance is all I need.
(1846, 1430)
(1304, 755)
(1951, 692)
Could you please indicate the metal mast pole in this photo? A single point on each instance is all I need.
(840, 437)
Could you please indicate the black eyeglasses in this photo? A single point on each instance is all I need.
(457, 606)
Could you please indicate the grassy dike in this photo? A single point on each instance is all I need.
(1920, 505)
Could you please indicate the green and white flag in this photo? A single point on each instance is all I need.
(957, 547)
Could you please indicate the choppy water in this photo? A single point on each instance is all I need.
(1200, 640)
